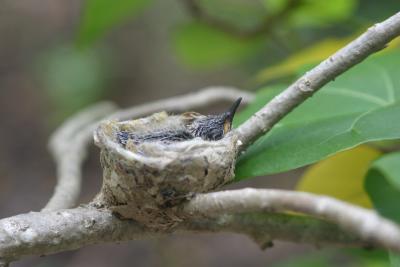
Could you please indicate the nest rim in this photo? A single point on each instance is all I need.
(105, 141)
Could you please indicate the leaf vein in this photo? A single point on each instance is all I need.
(358, 95)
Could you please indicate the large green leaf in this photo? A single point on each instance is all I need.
(362, 105)
(313, 53)
(382, 183)
(201, 46)
(101, 15)
(394, 259)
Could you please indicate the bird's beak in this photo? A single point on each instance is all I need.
(230, 114)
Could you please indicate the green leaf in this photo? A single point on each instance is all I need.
(200, 46)
(352, 110)
(321, 13)
(373, 11)
(394, 259)
(367, 257)
(101, 15)
(314, 12)
(382, 183)
(314, 53)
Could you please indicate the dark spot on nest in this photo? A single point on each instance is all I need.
(168, 193)
(171, 197)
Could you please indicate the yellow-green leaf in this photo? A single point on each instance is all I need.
(341, 176)
(315, 53)
(311, 54)
(322, 13)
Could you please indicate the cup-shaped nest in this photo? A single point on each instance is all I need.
(145, 179)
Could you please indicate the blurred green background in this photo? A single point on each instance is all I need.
(60, 56)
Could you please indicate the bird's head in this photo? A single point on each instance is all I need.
(213, 127)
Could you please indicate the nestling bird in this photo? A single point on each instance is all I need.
(207, 127)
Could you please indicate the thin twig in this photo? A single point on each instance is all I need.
(363, 223)
(373, 40)
(60, 140)
(68, 145)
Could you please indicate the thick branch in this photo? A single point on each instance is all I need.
(70, 142)
(363, 223)
(368, 43)
(263, 228)
(41, 233)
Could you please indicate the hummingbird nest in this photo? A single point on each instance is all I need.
(145, 178)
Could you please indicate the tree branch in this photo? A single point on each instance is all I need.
(264, 228)
(42, 233)
(69, 143)
(368, 43)
(363, 223)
